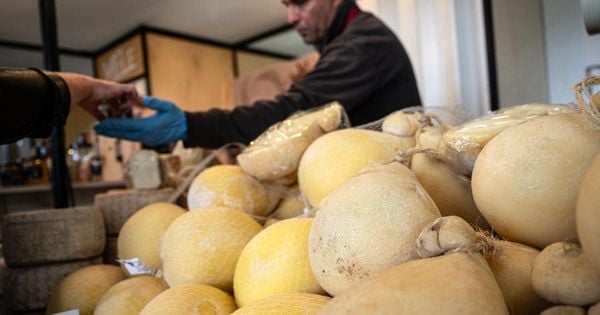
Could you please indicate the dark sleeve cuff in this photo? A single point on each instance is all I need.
(59, 104)
(210, 129)
(63, 99)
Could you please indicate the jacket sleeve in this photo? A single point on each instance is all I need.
(33, 102)
(347, 73)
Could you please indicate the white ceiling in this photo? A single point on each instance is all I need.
(91, 24)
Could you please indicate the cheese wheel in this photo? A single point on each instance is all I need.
(527, 179)
(291, 205)
(511, 264)
(458, 283)
(289, 304)
(141, 235)
(275, 261)
(29, 288)
(57, 235)
(228, 186)
(83, 289)
(339, 155)
(588, 213)
(129, 296)
(191, 298)
(461, 145)
(368, 224)
(118, 205)
(203, 246)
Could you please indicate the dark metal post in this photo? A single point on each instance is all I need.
(491, 53)
(60, 175)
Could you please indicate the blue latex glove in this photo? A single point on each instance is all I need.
(167, 125)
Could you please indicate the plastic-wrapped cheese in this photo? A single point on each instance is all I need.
(203, 246)
(339, 155)
(289, 304)
(129, 297)
(141, 235)
(275, 261)
(83, 289)
(277, 152)
(191, 299)
(462, 145)
(402, 124)
(228, 186)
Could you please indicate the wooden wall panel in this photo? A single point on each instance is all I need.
(194, 76)
(250, 62)
(123, 62)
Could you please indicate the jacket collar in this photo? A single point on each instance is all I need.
(339, 23)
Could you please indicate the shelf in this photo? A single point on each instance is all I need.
(26, 189)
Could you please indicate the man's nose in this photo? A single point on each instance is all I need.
(293, 14)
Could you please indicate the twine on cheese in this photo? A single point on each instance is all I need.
(590, 110)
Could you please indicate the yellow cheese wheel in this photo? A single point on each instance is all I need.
(289, 304)
(453, 284)
(140, 236)
(83, 288)
(339, 155)
(588, 213)
(275, 261)
(228, 186)
(511, 264)
(129, 297)
(291, 204)
(193, 298)
(203, 246)
(526, 180)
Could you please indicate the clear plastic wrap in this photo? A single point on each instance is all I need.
(461, 145)
(277, 152)
(418, 116)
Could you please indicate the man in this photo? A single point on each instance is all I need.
(33, 102)
(362, 65)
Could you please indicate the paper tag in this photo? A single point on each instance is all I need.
(69, 312)
(135, 267)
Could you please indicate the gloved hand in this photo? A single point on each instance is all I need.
(167, 125)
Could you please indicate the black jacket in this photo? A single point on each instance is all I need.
(32, 104)
(363, 66)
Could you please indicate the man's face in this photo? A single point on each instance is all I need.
(311, 17)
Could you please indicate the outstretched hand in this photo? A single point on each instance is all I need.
(91, 94)
(167, 125)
